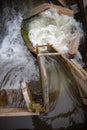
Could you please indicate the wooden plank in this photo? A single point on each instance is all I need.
(63, 10)
(11, 97)
(44, 84)
(49, 54)
(39, 9)
(74, 44)
(30, 103)
(37, 6)
(27, 94)
(79, 74)
(44, 6)
(15, 112)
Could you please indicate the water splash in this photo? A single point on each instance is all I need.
(17, 63)
(65, 103)
(51, 27)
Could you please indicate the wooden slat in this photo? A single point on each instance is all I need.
(79, 74)
(27, 94)
(74, 44)
(31, 104)
(41, 7)
(16, 112)
(11, 97)
(37, 6)
(44, 82)
(49, 54)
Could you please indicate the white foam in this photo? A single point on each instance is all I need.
(17, 63)
(50, 27)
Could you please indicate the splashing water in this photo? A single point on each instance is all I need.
(17, 63)
(65, 102)
(51, 27)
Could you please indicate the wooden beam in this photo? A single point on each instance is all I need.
(79, 75)
(27, 94)
(15, 112)
(32, 106)
(60, 9)
(49, 54)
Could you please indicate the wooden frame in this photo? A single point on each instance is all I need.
(78, 73)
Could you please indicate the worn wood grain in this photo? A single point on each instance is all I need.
(16, 112)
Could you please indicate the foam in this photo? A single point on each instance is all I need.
(51, 27)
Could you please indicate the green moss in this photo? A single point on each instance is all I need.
(24, 32)
(36, 107)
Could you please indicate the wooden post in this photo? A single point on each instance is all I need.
(31, 104)
(43, 74)
(44, 84)
(27, 95)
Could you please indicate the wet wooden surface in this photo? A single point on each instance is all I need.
(60, 9)
(11, 98)
(79, 75)
(36, 6)
(15, 112)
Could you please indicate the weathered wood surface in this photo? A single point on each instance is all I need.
(44, 84)
(49, 54)
(32, 105)
(12, 103)
(11, 98)
(79, 74)
(61, 10)
(74, 44)
(15, 112)
(26, 94)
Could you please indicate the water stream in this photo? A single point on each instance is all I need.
(64, 98)
(17, 63)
